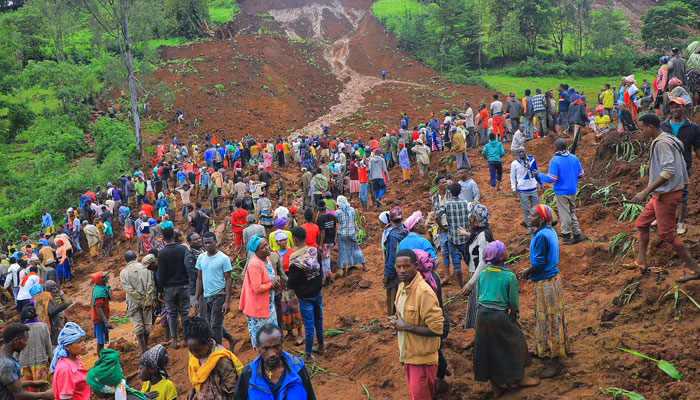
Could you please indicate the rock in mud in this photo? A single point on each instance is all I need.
(364, 284)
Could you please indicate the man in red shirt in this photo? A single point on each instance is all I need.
(313, 232)
(239, 218)
(147, 208)
(100, 309)
(364, 183)
(373, 143)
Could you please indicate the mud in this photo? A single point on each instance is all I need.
(322, 82)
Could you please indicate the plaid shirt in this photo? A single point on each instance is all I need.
(457, 212)
(347, 225)
(538, 103)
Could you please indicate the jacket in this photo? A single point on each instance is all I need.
(515, 108)
(564, 172)
(689, 134)
(459, 142)
(171, 267)
(377, 168)
(38, 350)
(421, 308)
(137, 282)
(522, 175)
(544, 254)
(393, 238)
(577, 113)
(255, 293)
(493, 151)
(296, 383)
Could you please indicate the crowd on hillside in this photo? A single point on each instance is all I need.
(287, 246)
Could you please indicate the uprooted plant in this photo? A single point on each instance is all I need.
(621, 245)
(676, 290)
(663, 365)
(631, 212)
(619, 393)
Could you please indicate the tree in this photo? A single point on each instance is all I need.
(534, 21)
(58, 18)
(188, 18)
(609, 27)
(580, 22)
(662, 26)
(561, 15)
(454, 32)
(113, 16)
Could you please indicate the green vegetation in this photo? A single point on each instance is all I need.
(223, 11)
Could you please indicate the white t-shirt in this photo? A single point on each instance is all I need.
(281, 212)
(496, 108)
(23, 293)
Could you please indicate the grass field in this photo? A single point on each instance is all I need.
(506, 84)
(387, 8)
(222, 11)
(37, 98)
(155, 43)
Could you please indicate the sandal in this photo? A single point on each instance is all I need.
(658, 270)
(635, 265)
(687, 277)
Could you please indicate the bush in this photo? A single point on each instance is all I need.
(56, 134)
(462, 79)
(113, 136)
(534, 66)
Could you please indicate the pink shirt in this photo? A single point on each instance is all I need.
(69, 380)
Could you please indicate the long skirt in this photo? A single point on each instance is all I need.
(254, 324)
(145, 243)
(472, 307)
(36, 373)
(108, 243)
(550, 324)
(63, 270)
(500, 350)
(291, 313)
(349, 251)
(129, 232)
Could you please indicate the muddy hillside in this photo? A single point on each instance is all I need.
(289, 66)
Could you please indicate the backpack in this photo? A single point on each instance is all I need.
(217, 157)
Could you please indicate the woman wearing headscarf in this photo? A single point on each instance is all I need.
(660, 83)
(107, 380)
(153, 373)
(69, 373)
(349, 251)
(280, 224)
(260, 284)
(34, 359)
(213, 371)
(629, 95)
(50, 305)
(63, 272)
(107, 238)
(479, 237)
(287, 304)
(416, 227)
(500, 350)
(551, 340)
(92, 234)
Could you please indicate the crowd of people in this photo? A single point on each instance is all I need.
(288, 246)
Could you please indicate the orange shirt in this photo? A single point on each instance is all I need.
(147, 209)
(239, 219)
(484, 114)
(312, 232)
(362, 175)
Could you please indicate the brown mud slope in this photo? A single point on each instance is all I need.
(357, 104)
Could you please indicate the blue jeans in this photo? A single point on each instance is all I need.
(76, 240)
(363, 192)
(436, 141)
(444, 249)
(378, 188)
(457, 253)
(463, 161)
(312, 314)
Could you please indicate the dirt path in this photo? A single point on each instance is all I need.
(336, 54)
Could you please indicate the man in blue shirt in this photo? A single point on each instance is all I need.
(47, 222)
(563, 114)
(274, 374)
(564, 172)
(213, 277)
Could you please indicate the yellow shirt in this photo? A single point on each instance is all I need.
(603, 121)
(254, 150)
(166, 389)
(608, 99)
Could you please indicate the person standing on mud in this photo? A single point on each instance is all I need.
(551, 340)
(667, 178)
(378, 175)
(173, 282)
(523, 183)
(419, 322)
(457, 212)
(214, 285)
(393, 237)
(137, 282)
(564, 172)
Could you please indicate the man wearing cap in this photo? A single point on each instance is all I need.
(137, 282)
(689, 134)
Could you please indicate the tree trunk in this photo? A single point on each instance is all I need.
(128, 59)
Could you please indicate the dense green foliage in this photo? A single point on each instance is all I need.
(58, 60)
(532, 37)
